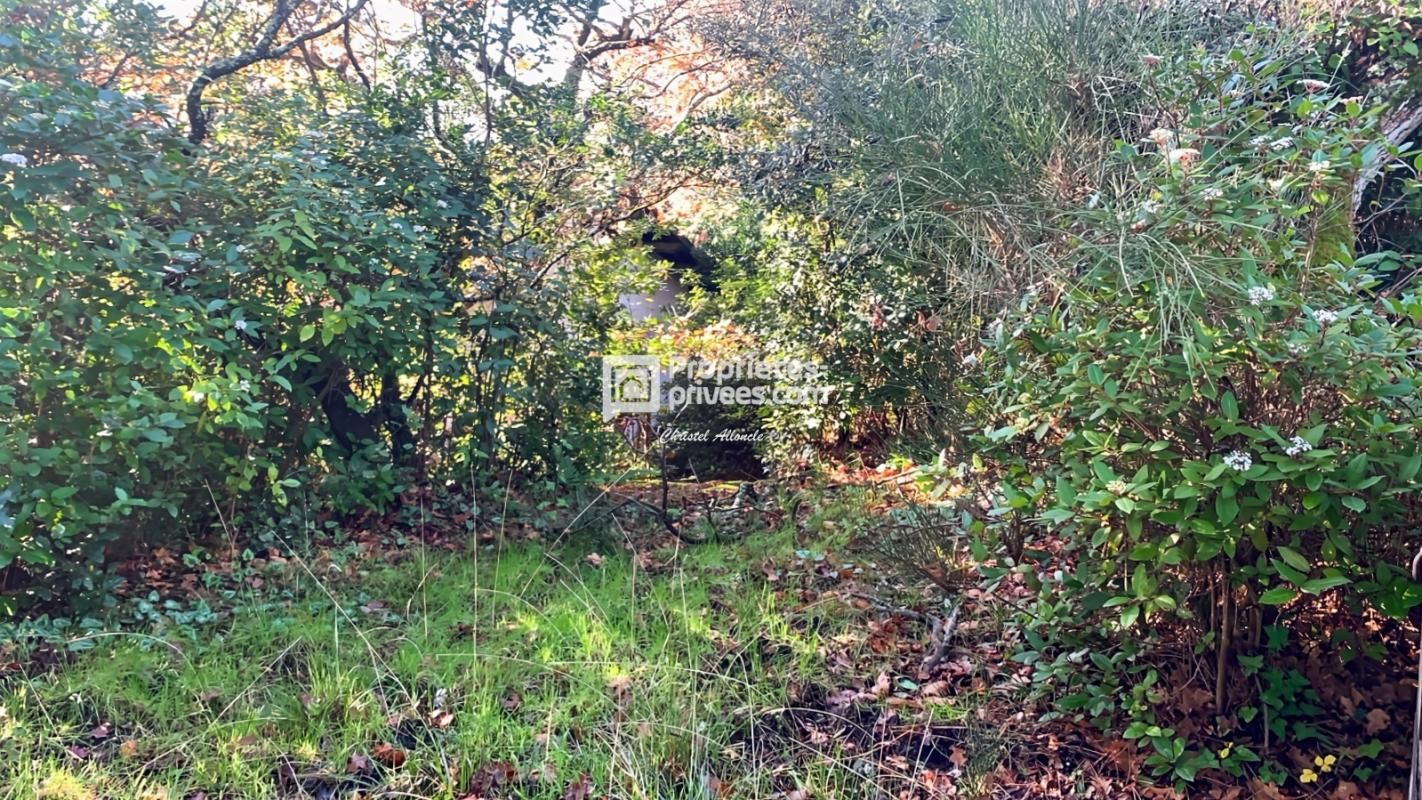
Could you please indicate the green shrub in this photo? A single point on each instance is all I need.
(1218, 417)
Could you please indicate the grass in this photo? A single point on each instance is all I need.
(510, 673)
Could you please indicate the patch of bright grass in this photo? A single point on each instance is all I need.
(428, 671)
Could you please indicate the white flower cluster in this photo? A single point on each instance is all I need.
(1259, 142)
(15, 160)
(1318, 166)
(1283, 143)
(1325, 317)
(1259, 295)
(1212, 193)
(1116, 487)
(240, 325)
(1297, 445)
(1238, 460)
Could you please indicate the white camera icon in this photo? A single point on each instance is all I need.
(630, 385)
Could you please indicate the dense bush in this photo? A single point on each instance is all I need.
(926, 152)
(1217, 416)
(342, 303)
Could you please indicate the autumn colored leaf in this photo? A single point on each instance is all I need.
(389, 755)
(579, 789)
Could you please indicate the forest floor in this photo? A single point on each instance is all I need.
(780, 658)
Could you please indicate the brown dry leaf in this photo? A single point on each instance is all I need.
(579, 789)
(621, 687)
(357, 764)
(1265, 791)
(441, 718)
(129, 748)
(1377, 720)
(593, 559)
(882, 686)
(512, 702)
(934, 689)
(1347, 790)
(389, 755)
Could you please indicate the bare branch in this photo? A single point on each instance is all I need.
(263, 50)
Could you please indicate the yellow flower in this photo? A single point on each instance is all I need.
(1325, 763)
(1308, 776)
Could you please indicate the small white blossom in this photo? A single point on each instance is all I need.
(1277, 184)
(441, 204)
(1313, 85)
(197, 397)
(970, 360)
(1116, 487)
(1325, 317)
(244, 385)
(106, 432)
(1259, 142)
(15, 159)
(1212, 193)
(417, 228)
(1297, 445)
(1296, 348)
(1282, 143)
(1238, 460)
(1259, 295)
(1318, 166)
(240, 325)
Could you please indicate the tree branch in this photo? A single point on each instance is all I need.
(263, 50)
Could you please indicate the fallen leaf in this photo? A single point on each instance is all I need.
(128, 749)
(389, 755)
(579, 789)
(78, 753)
(441, 718)
(512, 702)
(882, 686)
(1377, 720)
(593, 559)
(621, 686)
(357, 764)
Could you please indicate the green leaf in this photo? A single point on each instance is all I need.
(1294, 559)
(307, 331)
(1318, 585)
(1226, 509)
(1278, 596)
